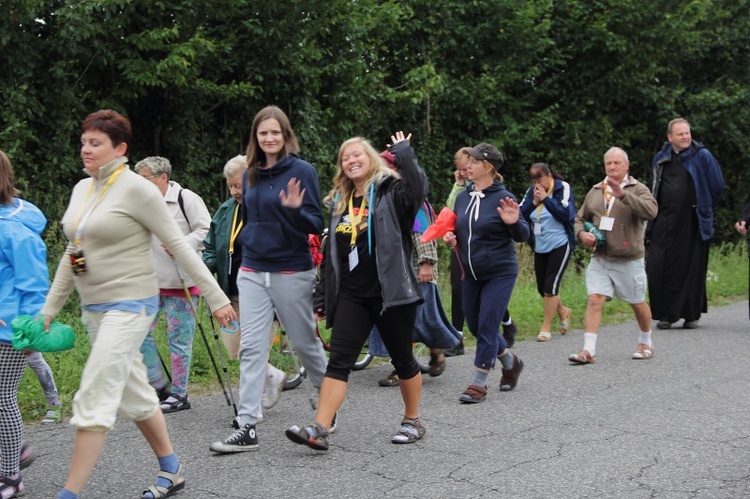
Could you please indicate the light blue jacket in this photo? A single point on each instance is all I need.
(24, 276)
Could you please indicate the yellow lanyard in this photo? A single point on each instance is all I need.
(541, 205)
(234, 231)
(355, 220)
(79, 223)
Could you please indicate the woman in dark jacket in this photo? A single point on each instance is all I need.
(549, 208)
(367, 278)
(488, 222)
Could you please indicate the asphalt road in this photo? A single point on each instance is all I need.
(675, 426)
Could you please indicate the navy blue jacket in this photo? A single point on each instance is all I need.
(560, 205)
(485, 242)
(275, 238)
(707, 178)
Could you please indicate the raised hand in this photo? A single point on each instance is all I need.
(508, 211)
(399, 137)
(292, 197)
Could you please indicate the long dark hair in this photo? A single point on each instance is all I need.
(544, 168)
(255, 155)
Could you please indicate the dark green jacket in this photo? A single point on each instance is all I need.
(216, 253)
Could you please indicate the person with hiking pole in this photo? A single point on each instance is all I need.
(193, 218)
(109, 223)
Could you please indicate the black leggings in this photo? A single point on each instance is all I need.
(352, 325)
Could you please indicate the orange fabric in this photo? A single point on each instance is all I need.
(446, 221)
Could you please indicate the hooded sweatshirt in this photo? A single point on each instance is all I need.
(485, 242)
(275, 238)
(24, 277)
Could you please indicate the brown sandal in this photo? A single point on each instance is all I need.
(437, 365)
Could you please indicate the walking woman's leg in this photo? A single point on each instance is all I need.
(397, 325)
(292, 296)
(12, 366)
(180, 319)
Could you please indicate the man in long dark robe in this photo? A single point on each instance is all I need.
(687, 183)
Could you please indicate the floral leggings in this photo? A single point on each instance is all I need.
(178, 314)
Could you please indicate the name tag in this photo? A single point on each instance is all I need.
(606, 223)
(537, 229)
(353, 259)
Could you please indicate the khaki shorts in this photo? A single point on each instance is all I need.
(625, 279)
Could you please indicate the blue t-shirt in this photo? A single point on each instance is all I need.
(553, 233)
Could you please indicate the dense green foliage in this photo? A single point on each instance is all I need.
(544, 81)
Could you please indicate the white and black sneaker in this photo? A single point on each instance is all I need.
(242, 440)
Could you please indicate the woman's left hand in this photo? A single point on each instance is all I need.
(225, 315)
(292, 197)
(399, 137)
(508, 211)
(426, 272)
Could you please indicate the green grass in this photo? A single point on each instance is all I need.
(727, 282)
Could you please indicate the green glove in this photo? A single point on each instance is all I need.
(601, 240)
(29, 334)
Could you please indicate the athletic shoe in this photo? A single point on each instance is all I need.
(455, 351)
(242, 440)
(663, 325)
(54, 414)
(690, 324)
(314, 436)
(509, 333)
(175, 403)
(275, 379)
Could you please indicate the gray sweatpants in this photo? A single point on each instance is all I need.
(290, 294)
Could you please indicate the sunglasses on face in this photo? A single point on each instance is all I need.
(536, 177)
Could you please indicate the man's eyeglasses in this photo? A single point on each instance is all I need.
(152, 176)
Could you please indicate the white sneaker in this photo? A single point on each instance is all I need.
(275, 379)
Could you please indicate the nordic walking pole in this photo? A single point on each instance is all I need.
(163, 364)
(203, 333)
(221, 357)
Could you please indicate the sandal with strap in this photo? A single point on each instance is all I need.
(643, 352)
(314, 436)
(582, 357)
(411, 431)
(565, 321)
(53, 415)
(544, 337)
(176, 483)
(9, 485)
(390, 380)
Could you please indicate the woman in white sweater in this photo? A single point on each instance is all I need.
(109, 222)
